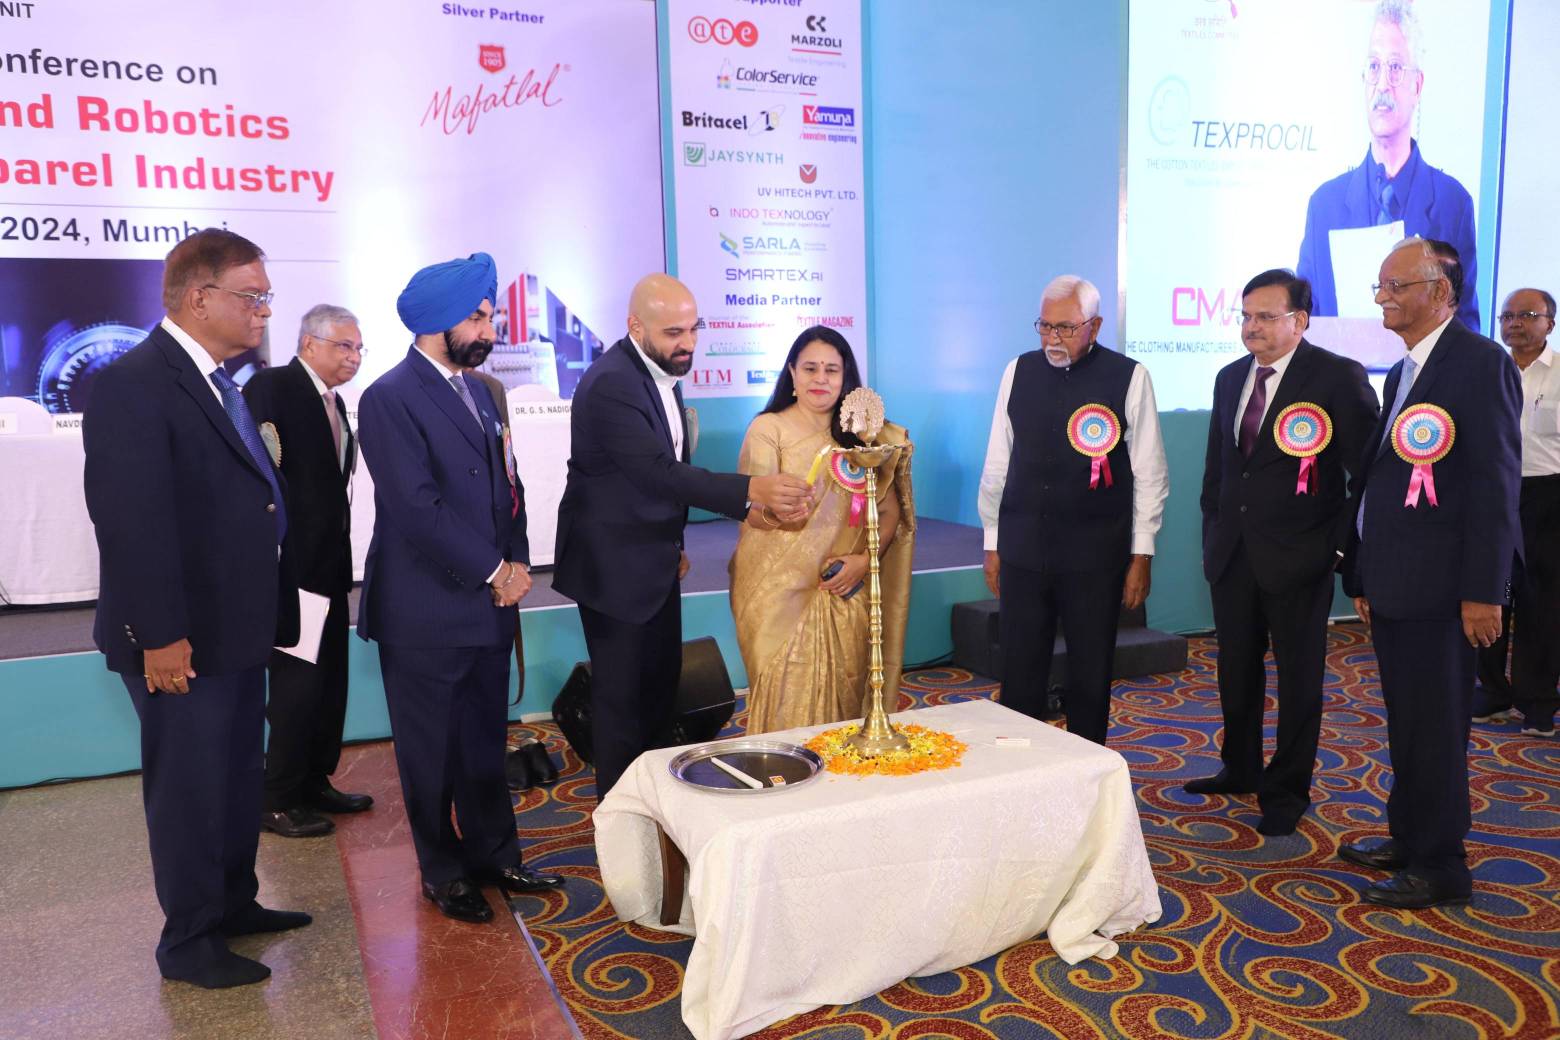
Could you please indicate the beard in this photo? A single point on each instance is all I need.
(467, 355)
(673, 365)
(1058, 357)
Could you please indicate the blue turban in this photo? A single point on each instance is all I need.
(441, 296)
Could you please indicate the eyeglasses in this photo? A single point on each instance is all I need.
(256, 299)
(1257, 319)
(346, 346)
(1394, 70)
(1393, 286)
(677, 330)
(1064, 329)
(1507, 317)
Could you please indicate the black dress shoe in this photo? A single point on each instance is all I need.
(459, 899)
(296, 822)
(1379, 855)
(1276, 825)
(1221, 784)
(258, 919)
(221, 972)
(1406, 890)
(540, 762)
(520, 879)
(328, 799)
(517, 770)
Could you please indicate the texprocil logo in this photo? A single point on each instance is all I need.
(1169, 110)
(722, 31)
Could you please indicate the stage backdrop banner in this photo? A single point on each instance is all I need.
(1249, 130)
(354, 142)
(767, 130)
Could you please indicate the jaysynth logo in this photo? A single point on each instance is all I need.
(696, 153)
(722, 31)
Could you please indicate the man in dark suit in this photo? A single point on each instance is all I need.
(1430, 566)
(448, 562)
(194, 592)
(620, 523)
(1275, 525)
(300, 413)
(1393, 182)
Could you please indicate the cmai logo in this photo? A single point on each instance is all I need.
(491, 56)
(722, 31)
(1191, 305)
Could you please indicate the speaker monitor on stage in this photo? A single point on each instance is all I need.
(705, 700)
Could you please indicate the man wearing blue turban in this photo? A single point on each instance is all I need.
(448, 562)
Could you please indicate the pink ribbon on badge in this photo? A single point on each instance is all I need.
(852, 479)
(1094, 431)
(1422, 435)
(1303, 430)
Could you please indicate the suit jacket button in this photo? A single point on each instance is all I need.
(1244, 476)
(473, 472)
(1242, 509)
(270, 507)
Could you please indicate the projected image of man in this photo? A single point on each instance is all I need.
(1393, 182)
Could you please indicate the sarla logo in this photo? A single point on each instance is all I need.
(452, 113)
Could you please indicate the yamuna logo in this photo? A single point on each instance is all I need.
(693, 154)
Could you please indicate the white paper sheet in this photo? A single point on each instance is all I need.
(312, 608)
(1357, 254)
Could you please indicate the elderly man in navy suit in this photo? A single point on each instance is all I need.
(189, 513)
(1430, 566)
(1393, 182)
(620, 523)
(448, 562)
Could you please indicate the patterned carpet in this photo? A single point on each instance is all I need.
(1261, 938)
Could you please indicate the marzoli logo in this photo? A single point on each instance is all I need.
(491, 56)
(722, 31)
(808, 171)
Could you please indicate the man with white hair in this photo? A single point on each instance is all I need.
(1430, 565)
(1071, 496)
(304, 423)
(1393, 183)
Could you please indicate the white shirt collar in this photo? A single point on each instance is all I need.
(204, 362)
(662, 377)
(445, 371)
(1421, 352)
(314, 377)
(1546, 357)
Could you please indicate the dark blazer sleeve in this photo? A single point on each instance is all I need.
(618, 413)
(407, 493)
(1354, 420)
(1213, 462)
(1492, 436)
(130, 490)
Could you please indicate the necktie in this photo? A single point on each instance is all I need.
(334, 418)
(459, 383)
(244, 423)
(1405, 381)
(1388, 204)
(1251, 418)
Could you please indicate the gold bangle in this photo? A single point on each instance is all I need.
(768, 517)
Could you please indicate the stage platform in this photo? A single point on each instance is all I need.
(62, 715)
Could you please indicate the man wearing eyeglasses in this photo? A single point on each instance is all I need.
(1071, 496)
(305, 424)
(1526, 321)
(1430, 566)
(1275, 524)
(620, 522)
(1393, 183)
(190, 515)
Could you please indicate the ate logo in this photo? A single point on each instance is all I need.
(808, 172)
(722, 31)
(491, 56)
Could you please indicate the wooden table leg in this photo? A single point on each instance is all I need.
(674, 874)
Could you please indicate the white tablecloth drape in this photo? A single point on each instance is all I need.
(833, 891)
(48, 551)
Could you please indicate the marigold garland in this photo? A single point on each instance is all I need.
(929, 750)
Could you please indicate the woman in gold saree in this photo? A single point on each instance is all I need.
(804, 636)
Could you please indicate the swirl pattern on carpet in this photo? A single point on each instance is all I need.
(1261, 938)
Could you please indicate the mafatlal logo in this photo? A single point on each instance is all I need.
(491, 56)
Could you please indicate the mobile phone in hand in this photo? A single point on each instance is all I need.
(834, 568)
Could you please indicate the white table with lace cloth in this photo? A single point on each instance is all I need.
(839, 888)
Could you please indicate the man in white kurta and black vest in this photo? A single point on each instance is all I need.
(1071, 496)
